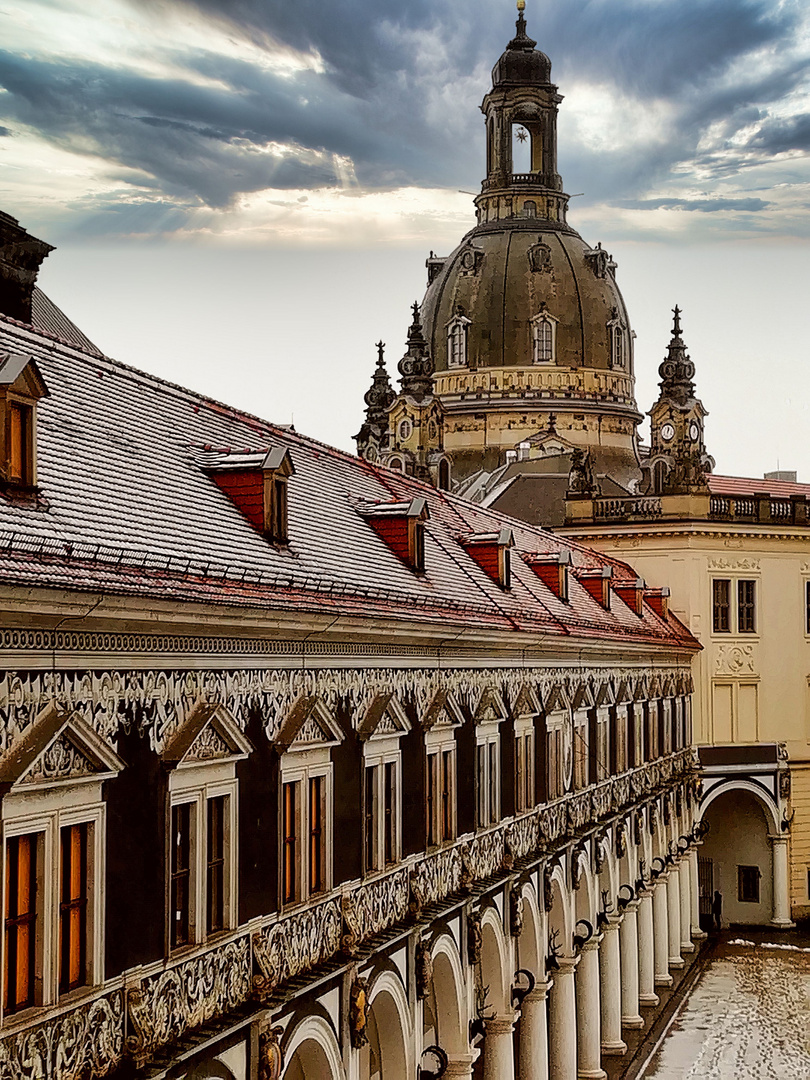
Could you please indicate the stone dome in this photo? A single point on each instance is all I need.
(503, 274)
(521, 62)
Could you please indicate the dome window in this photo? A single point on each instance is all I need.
(544, 338)
(457, 339)
(618, 341)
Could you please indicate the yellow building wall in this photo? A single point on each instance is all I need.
(749, 687)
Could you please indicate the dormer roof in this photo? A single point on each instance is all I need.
(209, 733)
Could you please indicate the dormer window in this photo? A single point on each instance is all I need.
(632, 592)
(552, 571)
(21, 386)
(597, 584)
(492, 553)
(457, 339)
(402, 526)
(658, 599)
(544, 338)
(256, 483)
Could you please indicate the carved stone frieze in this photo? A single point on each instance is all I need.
(298, 943)
(524, 836)
(89, 1041)
(722, 563)
(377, 905)
(188, 995)
(208, 746)
(439, 875)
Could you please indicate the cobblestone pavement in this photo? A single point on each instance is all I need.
(747, 1018)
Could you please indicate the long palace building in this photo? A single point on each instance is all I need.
(308, 768)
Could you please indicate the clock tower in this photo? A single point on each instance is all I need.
(678, 462)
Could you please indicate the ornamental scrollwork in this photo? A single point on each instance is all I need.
(88, 1041)
(301, 941)
(61, 760)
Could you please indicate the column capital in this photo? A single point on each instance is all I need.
(592, 944)
(614, 921)
(540, 992)
(631, 905)
(567, 965)
(780, 838)
(500, 1025)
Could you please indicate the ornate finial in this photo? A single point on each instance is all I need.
(380, 354)
(415, 310)
(676, 325)
(521, 5)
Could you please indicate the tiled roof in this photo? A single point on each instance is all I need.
(741, 485)
(129, 506)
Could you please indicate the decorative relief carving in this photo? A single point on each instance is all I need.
(271, 1057)
(61, 761)
(296, 944)
(516, 918)
(723, 563)
(378, 905)
(88, 1041)
(475, 938)
(160, 701)
(424, 970)
(209, 745)
(358, 1013)
(188, 995)
(734, 660)
(438, 875)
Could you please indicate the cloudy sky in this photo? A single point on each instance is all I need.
(243, 191)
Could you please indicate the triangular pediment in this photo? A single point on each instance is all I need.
(208, 734)
(605, 694)
(307, 726)
(383, 718)
(527, 702)
(490, 707)
(58, 747)
(443, 711)
(557, 699)
(641, 691)
(583, 697)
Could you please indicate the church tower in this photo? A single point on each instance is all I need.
(678, 462)
(524, 320)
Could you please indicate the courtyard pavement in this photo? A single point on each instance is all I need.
(747, 1015)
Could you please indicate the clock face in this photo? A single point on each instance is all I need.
(667, 432)
(694, 431)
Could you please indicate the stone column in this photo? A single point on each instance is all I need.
(661, 932)
(499, 1054)
(674, 917)
(533, 1044)
(611, 988)
(684, 872)
(646, 955)
(589, 1042)
(781, 897)
(628, 937)
(562, 1022)
(694, 882)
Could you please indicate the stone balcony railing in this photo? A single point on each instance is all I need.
(744, 509)
(132, 1017)
(759, 508)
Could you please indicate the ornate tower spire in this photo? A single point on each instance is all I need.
(378, 398)
(416, 366)
(521, 111)
(678, 462)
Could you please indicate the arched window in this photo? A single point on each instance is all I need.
(544, 337)
(618, 346)
(617, 337)
(457, 340)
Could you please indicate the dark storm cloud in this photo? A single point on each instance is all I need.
(385, 99)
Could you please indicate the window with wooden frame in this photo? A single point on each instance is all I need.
(746, 607)
(20, 442)
(21, 387)
(317, 874)
(524, 770)
(440, 802)
(448, 794)
(202, 870)
(73, 901)
(305, 826)
(487, 779)
(554, 762)
(431, 798)
(620, 727)
(721, 606)
(216, 869)
(381, 811)
(457, 330)
(600, 751)
(21, 918)
(290, 841)
(581, 751)
(181, 890)
(543, 339)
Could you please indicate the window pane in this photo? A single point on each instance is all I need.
(447, 795)
(371, 831)
(20, 924)
(18, 441)
(430, 801)
(748, 884)
(290, 828)
(721, 606)
(390, 811)
(481, 753)
(746, 614)
(73, 908)
(520, 775)
(316, 786)
(216, 864)
(181, 873)
(493, 782)
(529, 759)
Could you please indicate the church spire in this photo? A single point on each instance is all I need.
(378, 398)
(416, 366)
(677, 370)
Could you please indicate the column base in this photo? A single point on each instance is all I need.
(614, 1049)
(633, 1022)
(687, 947)
(701, 935)
(664, 980)
(676, 962)
(783, 924)
(592, 1074)
(649, 1001)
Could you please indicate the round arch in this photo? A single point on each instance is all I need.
(313, 1050)
(529, 944)
(495, 967)
(389, 1027)
(448, 997)
(585, 897)
(560, 922)
(759, 793)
